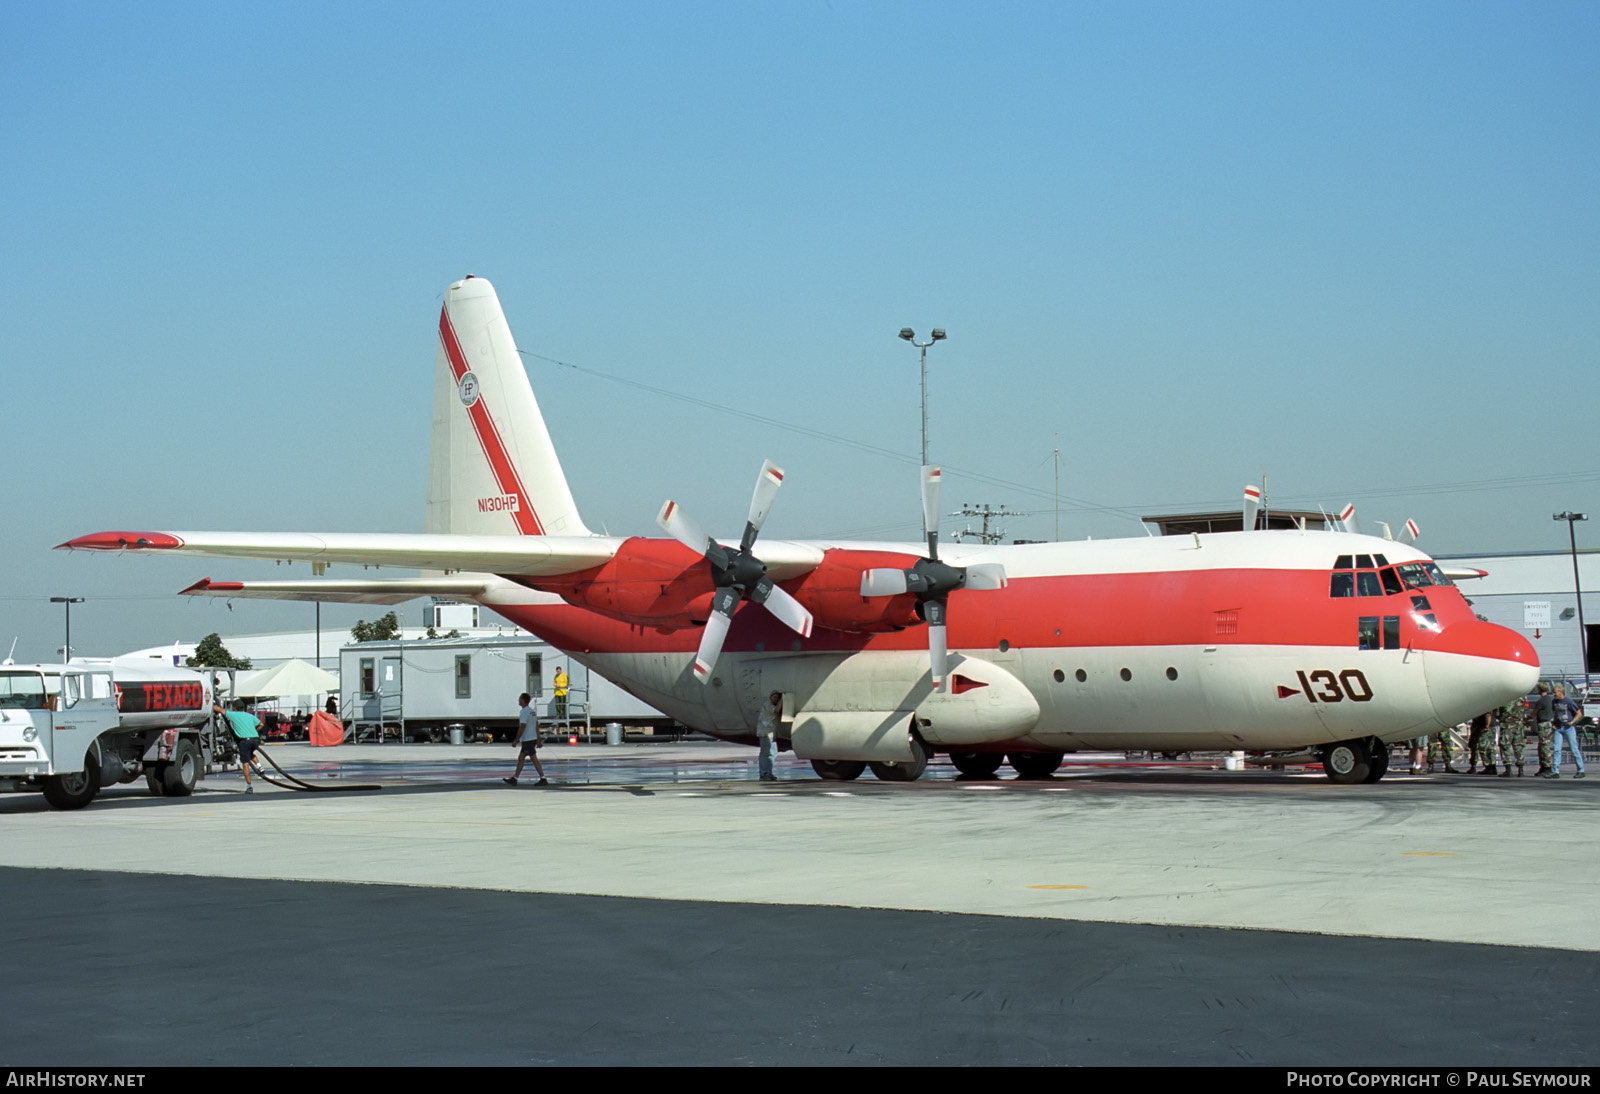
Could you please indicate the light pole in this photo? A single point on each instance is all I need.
(910, 336)
(68, 602)
(1577, 588)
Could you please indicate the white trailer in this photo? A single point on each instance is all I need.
(422, 687)
(69, 730)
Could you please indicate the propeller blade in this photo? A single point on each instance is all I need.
(883, 582)
(1252, 506)
(681, 527)
(767, 484)
(986, 575)
(1347, 518)
(937, 642)
(781, 604)
(930, 508)
(1412, 530)
(705, 659)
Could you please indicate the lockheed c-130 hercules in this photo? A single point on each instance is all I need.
(1322, 644)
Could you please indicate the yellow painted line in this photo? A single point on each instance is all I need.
(1431, 854)
(1058, 886)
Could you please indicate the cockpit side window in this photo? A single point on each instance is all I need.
(1343, 584)
(1391, 583)
(1438, 575)
(1367, 584)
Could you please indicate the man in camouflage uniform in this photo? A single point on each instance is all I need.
(1544, 713)
(1439, 746)
(1513, 726)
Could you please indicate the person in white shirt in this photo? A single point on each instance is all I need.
(528, 739)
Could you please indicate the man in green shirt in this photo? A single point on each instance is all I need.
(247, 731)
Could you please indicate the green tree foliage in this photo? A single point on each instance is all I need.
(379, 630)
(210, 653)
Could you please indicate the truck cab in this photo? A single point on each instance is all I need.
(51, 721)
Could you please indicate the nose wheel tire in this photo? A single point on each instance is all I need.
(1347, 762)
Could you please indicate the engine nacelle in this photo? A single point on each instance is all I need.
(832, 593)
(652, 582)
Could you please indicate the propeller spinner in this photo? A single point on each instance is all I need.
(738, 574)
(932, 581)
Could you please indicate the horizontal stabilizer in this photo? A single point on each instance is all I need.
(329, 590)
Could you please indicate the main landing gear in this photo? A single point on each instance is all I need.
(1348, 762)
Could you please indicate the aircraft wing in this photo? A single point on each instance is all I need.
(329, 590)
(529, 556)
(520, 556)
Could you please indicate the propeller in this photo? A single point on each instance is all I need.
(932, 581)
(1347, 518)
(738, 574)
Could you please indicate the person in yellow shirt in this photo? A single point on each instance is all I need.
(561, 694)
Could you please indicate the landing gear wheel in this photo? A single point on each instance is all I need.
(841, 771)
(1378, 764)
(183, 772)
(1036, 765)
(76, 790)
(1347, 762)
(904, 771)
(977, 765)
(155, 779)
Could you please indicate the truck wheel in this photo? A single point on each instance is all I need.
(76, 790)
(154, 779)
(183, 772)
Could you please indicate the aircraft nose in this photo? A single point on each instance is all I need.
(1473, 667)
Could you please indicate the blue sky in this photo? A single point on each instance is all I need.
(1351, 246)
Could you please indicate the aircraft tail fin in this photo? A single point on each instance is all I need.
(493, 469)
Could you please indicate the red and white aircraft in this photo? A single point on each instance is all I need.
(1281, 642)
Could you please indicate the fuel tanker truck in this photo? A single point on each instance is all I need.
(70, 729)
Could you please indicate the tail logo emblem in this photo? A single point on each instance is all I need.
(469, 389)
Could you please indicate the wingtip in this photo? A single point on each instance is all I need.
(123, 541)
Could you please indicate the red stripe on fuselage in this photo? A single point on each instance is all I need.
(1188, 607)
(494, 449)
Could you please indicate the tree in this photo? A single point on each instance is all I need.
(212, 654)
(379, 630)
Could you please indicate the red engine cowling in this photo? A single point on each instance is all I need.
(652, 582)
(832, 593)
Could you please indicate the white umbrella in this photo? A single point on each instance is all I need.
(294, 677)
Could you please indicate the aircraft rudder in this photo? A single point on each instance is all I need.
(493, 468)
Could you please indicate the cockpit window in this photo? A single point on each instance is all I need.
(1344, 562)
(1380, 560)
(1363, 562)
(1436, 574)
(1391, 583)
(1367, 584)
(1414, 575)
(1343, 584)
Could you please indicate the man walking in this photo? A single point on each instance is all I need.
(1567, 714)
(527, 740)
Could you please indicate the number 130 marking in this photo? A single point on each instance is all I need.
(1350, 684)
